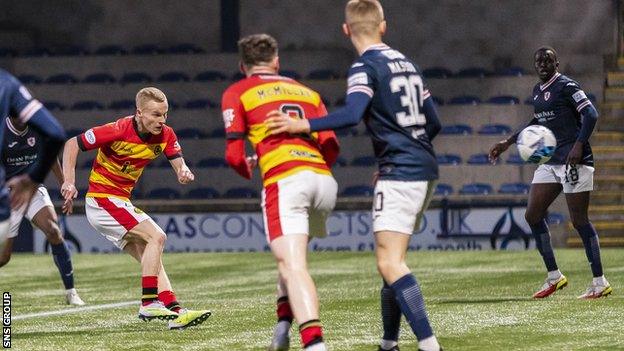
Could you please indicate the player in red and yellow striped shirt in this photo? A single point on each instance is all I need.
(125, 147)
(299, 190)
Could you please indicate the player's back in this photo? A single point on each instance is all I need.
(245, 108)
(395, 117)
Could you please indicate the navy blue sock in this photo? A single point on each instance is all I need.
(390, 313)
(542, 241)
(410, 299)
(63, 262)
(592, 247)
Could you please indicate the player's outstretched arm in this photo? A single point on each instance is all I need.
(497, 149)
(182, 171)
(68, 189)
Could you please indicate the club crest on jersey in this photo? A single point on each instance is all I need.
(546, 96)
(157, 150)
(31, 141)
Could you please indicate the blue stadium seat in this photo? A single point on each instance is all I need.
(364, 161)
(146, 49)
(125, 104)
(212, 162)
(88, 105)
(173, 77)
(199, 104)
(449, 159)
(99, 78)
(135, 77)
(237, 76)
(476, 189)
(7, 52)
(116, 50)
(340, 102)
(202, 193)
(555, 218)
(185, 48)
(82, 191)
(163, 193)
(478, 159)
(340, 162)
(63, 78)
(529, 100)
(323, 74)
(472, 72)
(72, 132)
(36, 52)
(443, 189)
(511, 72)
(54, 106)
(69, 50)
(30, 79)
(347, 131)
(241, 193)
(514, 188)
(464, 100)
(210, 76)
(290, 74)
(438, 100)
(217, 133)
(514, 159)
(503, 100)
(190, 133)
(495, 129)
(456, 129)
(358, 190)
(437, 73)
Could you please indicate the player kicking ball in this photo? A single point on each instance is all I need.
(125, 147)
(388, 88)
(298, 188)
(562, 106)
(19, 151)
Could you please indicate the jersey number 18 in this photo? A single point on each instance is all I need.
(411, 89)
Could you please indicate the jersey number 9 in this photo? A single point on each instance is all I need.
(411, 89)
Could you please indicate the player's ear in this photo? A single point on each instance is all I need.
(276, 63)
(382, 27)
(241, 67)
(345, 30)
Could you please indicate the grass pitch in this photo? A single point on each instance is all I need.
(476, 301)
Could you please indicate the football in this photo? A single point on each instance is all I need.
(536, 144)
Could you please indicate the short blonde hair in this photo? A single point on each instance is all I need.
(149, 94)
(364, 16)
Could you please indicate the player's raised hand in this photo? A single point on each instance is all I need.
(185, 175)
(22, 190)
(497, 150)
(279, 122)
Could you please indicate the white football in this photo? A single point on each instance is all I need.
(536, 144)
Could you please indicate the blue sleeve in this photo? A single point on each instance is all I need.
(433, 126)
(349, 115)
(577, 98)
(590, 117)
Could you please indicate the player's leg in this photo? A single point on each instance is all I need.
(9, 230)
(6, 248)
(281, 333)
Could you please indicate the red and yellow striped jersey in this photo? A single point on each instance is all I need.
(245, 105)
(123, 154)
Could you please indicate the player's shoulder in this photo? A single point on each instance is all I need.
(568, 83)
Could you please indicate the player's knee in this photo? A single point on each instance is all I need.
(533, 218)
(288, 269)
(53, 234)
(387, 267)
(579, 221)
(4, 259)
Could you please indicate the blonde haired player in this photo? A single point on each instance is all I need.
(299, 190)
(125, 147)
(388, 87)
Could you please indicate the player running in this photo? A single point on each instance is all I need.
(16, 100)
(563, 107)
(19, 152)
(125, 147)
(298, 188)
(388, 88)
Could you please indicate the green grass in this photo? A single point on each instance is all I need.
(476, 301)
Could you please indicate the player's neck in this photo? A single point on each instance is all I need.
(362, 43)
(260, 70)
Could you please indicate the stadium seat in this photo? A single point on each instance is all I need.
(202, 193)
(503, 100)
(437, 73)
(511, 72)
(199, 104)
(217, 133)
(72, 132)
(529, 100)
(212, 162)
(69, 50)
(290, 74)
(237, 76)
(210, 76)
(173, 77)
(7, 52)
(241, 193)
(173, 105)
(30, 79)
(514, 159)
(514, 188)
(323, 74)
(99, 78)
(185, 48)
(340, 102)
(449, 159)
(190, 133)
(125, 104)
(364, 161)
(63, 78)
(495, 129)
(472, 72)
(443, 189)
(36, 52)
(555, 218)
(116, 50)
(54, 106)
(358, 190)
(163, 193)
(478, 159)
(464, 100)
(135, 78)
(438, 100)
(146, 49)
(456, 129)
(348, 131)
(340, 162)
(164, 163)
(88, 105)
(476, 189)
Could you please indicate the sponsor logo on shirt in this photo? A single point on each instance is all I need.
(31, 141)
(544, 116)
(12, 144)
(228, 117)
(360, 78)
(90, 136)
(546, 96)
(579, 95)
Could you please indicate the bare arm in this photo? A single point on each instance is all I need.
(68, 188)
(182, 171)
(58, 172)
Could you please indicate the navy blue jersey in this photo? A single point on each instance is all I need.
(20, 149)
(395, 117)
(558, 104)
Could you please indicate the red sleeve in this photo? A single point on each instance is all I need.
(172, 149)
(327, 140)
(235, 130)
(99, 136)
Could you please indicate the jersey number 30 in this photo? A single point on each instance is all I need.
(411, 89)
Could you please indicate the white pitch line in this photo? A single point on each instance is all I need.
(75, 310)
